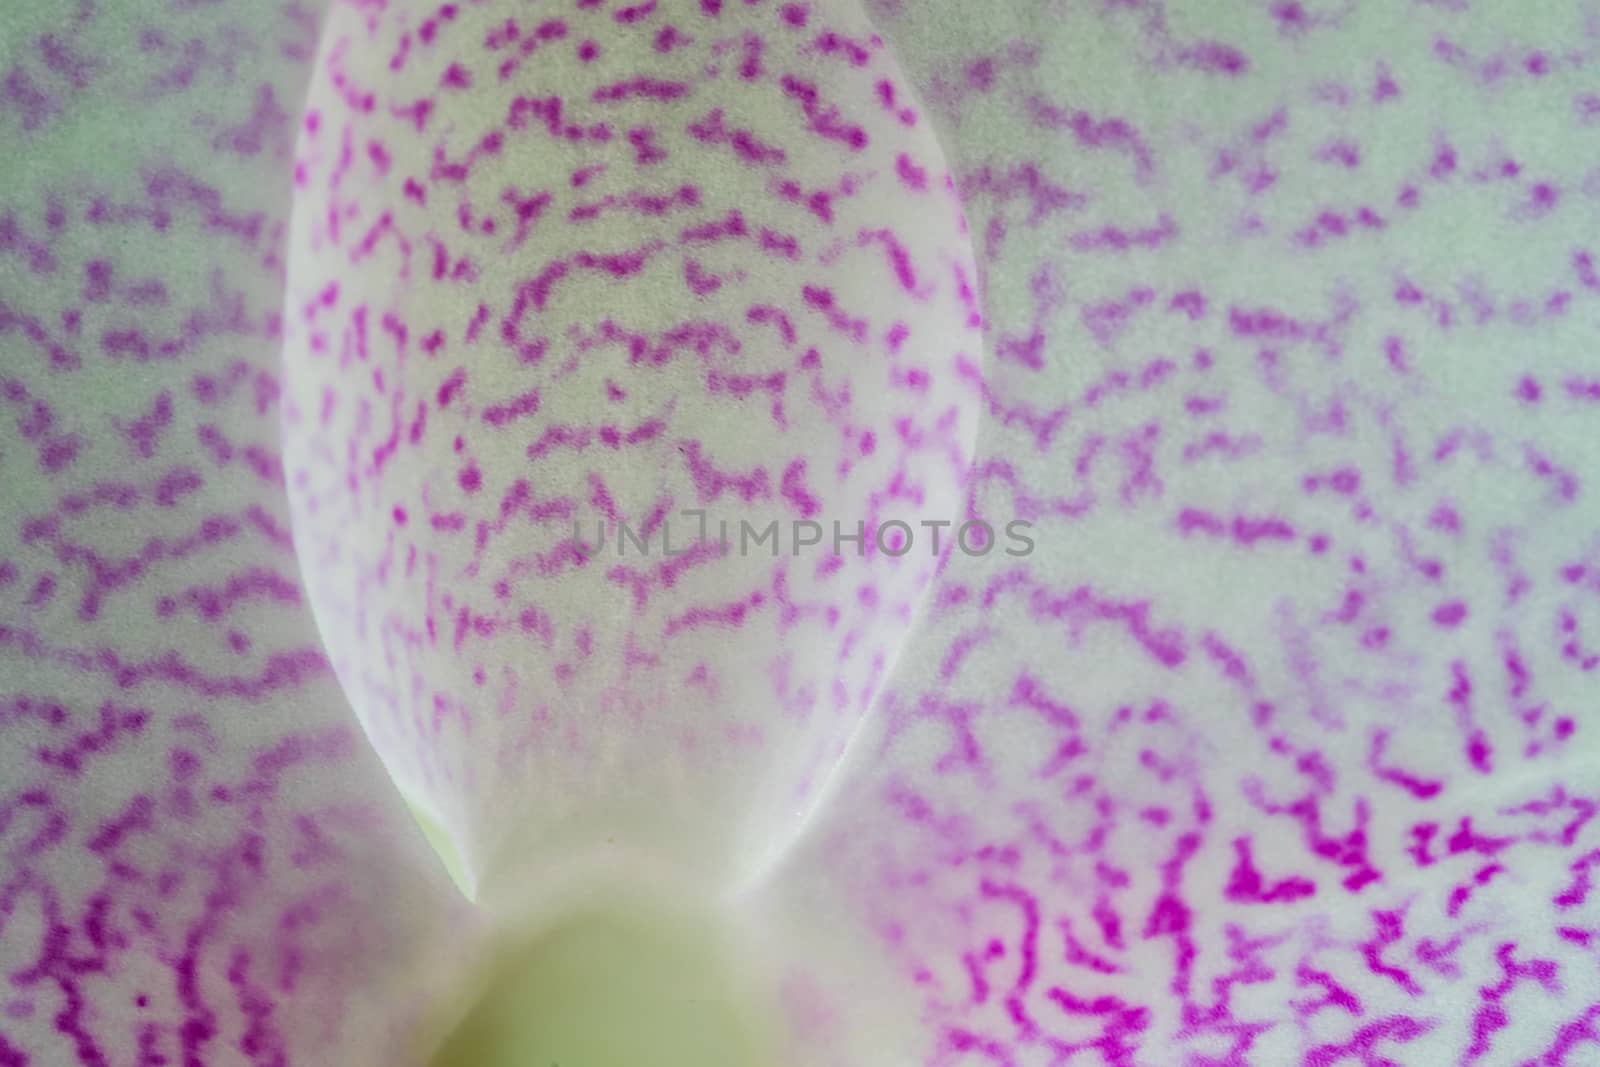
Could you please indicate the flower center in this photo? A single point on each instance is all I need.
(612, 988)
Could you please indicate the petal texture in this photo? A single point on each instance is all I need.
(1281, 748)
(192, 829)
(585, 264)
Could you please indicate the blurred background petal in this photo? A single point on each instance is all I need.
(201, 861)
(1281, 747)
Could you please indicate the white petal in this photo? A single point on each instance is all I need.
(560, 265)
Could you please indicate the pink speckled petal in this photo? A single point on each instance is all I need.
(201, 860)
(582, 264)
(1278, 749)
(1282, 748)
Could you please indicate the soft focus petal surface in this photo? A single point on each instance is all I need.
(201, 860)
(560, 265)
(1277, 749)
(1281, 748)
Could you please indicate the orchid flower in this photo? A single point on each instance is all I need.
(344, 348)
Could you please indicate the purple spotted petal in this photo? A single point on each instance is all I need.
(193, 831)
(570, 268)
(1281, 749)
(1276, 750)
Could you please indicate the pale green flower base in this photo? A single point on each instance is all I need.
(610, 984)
(614, 990)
